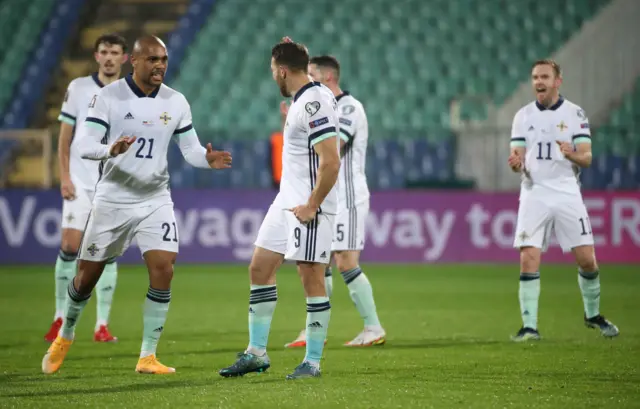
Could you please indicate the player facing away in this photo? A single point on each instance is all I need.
(132, 199)
(299, 223)
(353, 204)
(78, 179)
(550, 142)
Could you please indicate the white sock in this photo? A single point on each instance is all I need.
(528, 294)
(361, 293)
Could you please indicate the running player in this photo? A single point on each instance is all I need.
(132, 199)
(550, 142)
(78, 179)
(299, 223)
(353, 204)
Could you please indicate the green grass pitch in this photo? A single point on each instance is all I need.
(448, 343)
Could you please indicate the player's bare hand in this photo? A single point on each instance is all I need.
(286, 39)
(284, 110)
(515, 161)
(566, 148)
(304, 213)
(121, 145)
(218, 159)
(67, 189)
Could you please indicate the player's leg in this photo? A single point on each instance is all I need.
(104, 298)
(106, 236)
(328, 277)
(157, 236)
(361, 293)
(351, 228)
(574, 232)
(532, 233)
(268, 255)
(74, 220)
(310, 246)
(301, 340)
(160, 265)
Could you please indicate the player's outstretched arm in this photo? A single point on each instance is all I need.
(198, 156)
(89, 137)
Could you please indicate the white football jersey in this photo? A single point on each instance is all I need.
(354, 130)
(312, 118)
(140, 174)
(537, 129)
(84, 173)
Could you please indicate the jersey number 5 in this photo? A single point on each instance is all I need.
(142, 142)
(540, 145)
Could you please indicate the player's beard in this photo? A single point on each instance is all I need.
(282, 84)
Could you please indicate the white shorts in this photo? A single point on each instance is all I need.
(282, 233)
(350, 227)
(76, 212)
(111, 229)
(539, 216)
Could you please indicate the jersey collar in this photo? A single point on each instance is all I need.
(344, 94)
(138, 91)
(553, 107)
(96, 79)
(304, 88)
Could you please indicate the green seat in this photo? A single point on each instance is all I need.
(405, 63)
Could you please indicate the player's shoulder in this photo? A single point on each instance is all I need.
(171, 96)
(84, 82)
(313, 91)
(348, 104)
(573, 109)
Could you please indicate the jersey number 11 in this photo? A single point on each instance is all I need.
(548, 157)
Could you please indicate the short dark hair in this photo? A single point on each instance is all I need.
(327, 61)
(112, 39)
(293, 55)
(548, 61)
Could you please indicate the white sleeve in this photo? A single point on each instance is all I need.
(69, 111)
(581, 131)
(319, 121)
(348, 122)
(187, 139)
(91, 135)
(518, 135)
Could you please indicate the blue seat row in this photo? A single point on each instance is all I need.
(391, 164)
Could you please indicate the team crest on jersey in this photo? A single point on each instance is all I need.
(562, 126)
(312, 107)
(165, 118)
(93, 101)
(347, 109)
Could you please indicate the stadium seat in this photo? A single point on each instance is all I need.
(433, 52)
(443, 44)
(616, 147)
(20, 26)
